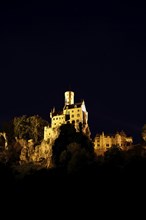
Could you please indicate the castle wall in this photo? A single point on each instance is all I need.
(57, 120)
(103, 142)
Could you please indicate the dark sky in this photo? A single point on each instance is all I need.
(96, 49)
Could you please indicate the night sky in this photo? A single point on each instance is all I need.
(98, 50)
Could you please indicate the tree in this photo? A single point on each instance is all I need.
(22, 127)
(8, 128)
(31, 127)
(37, 125)
(143, 133)
(72, 150)
(114, 157)
(2, 142)
(67, 133)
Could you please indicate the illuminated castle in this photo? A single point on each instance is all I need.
(74, 113)
(103, 142)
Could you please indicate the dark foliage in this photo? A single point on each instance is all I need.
(72, 149)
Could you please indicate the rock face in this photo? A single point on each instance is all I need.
(39, 154)
(3, 140)
(42, 154)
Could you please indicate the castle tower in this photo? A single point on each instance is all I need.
(69, 97)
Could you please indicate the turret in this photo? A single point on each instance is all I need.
(69, 97)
